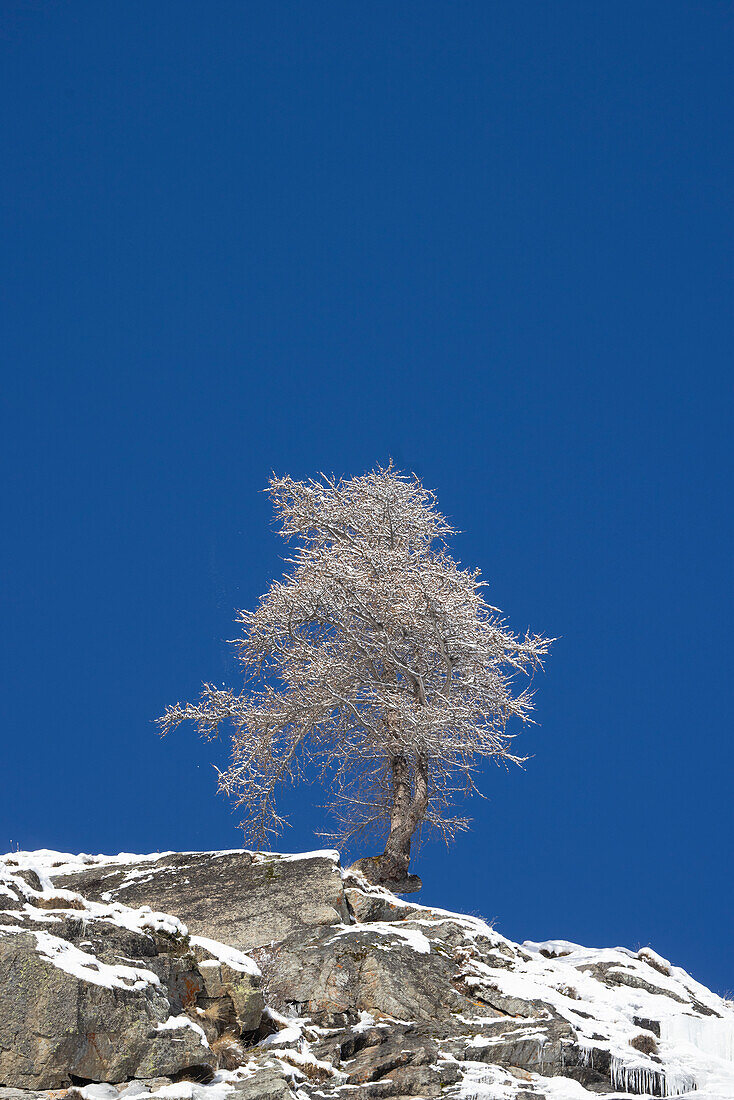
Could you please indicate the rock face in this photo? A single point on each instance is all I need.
(102, 992)
(346, 991)
(364, 968)
(239, 898)
(111, 1024)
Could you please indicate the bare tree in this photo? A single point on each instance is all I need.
(377, 658)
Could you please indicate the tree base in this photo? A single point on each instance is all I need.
(382, 871)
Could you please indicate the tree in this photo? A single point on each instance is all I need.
(377, 658)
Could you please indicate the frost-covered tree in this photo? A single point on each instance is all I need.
(377, 658)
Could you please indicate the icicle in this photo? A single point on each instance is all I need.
(647, 1081)
(479, 1082)
(586, 1055)
(708, 1034)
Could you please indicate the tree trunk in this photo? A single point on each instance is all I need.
(409, 803)
(407, 811)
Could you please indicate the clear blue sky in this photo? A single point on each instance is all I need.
(492, 240)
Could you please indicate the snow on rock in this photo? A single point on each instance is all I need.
(175, 1023)
(237, 897)
(235, 960)
(413, 937)
(375, 998)
(91, 990)
(296, 857)
(48, 864)
(88, 968)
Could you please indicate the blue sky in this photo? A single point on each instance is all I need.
(492, 241)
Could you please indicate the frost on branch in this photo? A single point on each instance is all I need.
(377, 658)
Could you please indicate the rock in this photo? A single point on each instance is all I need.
(168, 957)
(56, 1026)
(539, 1047)
(11, 895)
(236, 898)
(175, 1052)
(363, 969)
(612, 974)
(647, 1024)
(25, 874)
(367, 907)
(402, 1047)
(372, 869)
(241, 988)
(406, 1003)
(265, 1084)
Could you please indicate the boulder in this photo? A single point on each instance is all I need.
(55, 1025)
(367, 906)
(399, 1048)
(238, 898)
(235, 985)
(371, 968)
(265, 1084)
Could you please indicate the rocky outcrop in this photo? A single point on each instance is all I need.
(381, 871)
(102, 992)
(239, 898)
(129, 972)
(63, 1018)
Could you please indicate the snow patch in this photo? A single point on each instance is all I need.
(84, 966)
(175, 1023)
(486, 1082)
(230, 956)
(413, 937)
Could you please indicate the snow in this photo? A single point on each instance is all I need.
(413, 937)
(530, 1032)
(553, 947)
(302, 1057)
(656, 961)
(696, 1051)
(87, 967)
(296, 857)
(365, 1022)
(290, 1035)
(99, 1092)
(230, 956)
(486, 1082)
(48, 864)
(218, 1089)
(175, 1023)
(143, 919)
